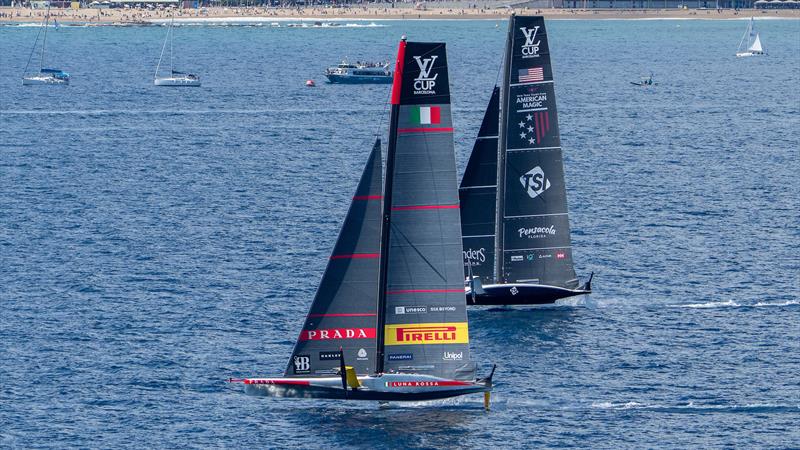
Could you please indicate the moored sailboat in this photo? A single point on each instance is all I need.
(174, 78)
(515, 223)
(44, 75)
(750, 45)
(389, 321)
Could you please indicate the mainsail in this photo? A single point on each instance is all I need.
(344, 311)
(477, 195)
(424, 322)
(756, 46)
(532, 223)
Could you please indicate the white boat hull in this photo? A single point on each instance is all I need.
(177, 81)
(39, 81)
(747, 54)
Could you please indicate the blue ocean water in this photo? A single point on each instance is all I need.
(154, 242)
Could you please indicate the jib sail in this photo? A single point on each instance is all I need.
(344, 311)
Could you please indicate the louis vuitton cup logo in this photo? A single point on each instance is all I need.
(530, 49)
(534, 182)
(425, 83)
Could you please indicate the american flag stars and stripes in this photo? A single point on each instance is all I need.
(531, 75)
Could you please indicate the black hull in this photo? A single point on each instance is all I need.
(361, 394)
(523, 294)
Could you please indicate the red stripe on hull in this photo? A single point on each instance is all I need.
(425, 130)
(417, 207)
(290, 382)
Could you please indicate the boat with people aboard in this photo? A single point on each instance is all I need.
(513, 198)
(360, 73)
(44, 75)
(389, 321)
(750, 45)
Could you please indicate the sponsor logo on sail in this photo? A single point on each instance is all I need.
(516, 258)
(533, 126)
(328, 356)
(530, 49)
(514, 290)
(427, 333)
(302, 364)
(400, 356)
(337, 333)
(453, 356)
(561, 255)
(410, 309)
(475, 256)
(534, 182)
(424, 84)
(442, 308)
(537, 232)
(361, 355)
(533, 99)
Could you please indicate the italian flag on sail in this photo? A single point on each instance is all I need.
(426, 115)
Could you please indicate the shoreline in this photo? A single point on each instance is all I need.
(242, 15)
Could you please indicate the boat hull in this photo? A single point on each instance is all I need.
(748, 54)
(177, 82)
(386, 387)
(358, 79)
(41, 81)
(522, 294)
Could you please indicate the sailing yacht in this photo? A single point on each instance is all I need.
(750, 45)
(44, 75)
(388, 321)
(174, 78)
(514, 217)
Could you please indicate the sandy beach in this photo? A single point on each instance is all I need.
(400, 12)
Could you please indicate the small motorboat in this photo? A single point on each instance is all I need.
(310, 83)
(645, 81)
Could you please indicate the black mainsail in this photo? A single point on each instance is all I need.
(477, 194)
(532, 250)
(389, 321)
(344, 311)
(422, 277)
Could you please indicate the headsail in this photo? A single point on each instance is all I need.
(344, 311)
(477, 195)
(756, 47)
(534, 234)
(422, 276)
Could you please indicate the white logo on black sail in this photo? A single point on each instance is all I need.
(425, 83)
(530, 49)
(534, 182)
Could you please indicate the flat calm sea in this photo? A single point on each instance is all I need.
(155, 241)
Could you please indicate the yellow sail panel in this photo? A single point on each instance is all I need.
(426, 333)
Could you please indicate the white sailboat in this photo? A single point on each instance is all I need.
(44, 75)
(174, 78)
(750, 45)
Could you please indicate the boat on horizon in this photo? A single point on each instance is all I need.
(388, 321)
(45, 75)
(645, 81)
(175, 78)
(515, 222)
(750, 45)
(360, 73)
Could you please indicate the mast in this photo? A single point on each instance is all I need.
(44, 41)
(169, 34)
(501, 157)
(386, 215)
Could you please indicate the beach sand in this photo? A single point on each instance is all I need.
(146, 16)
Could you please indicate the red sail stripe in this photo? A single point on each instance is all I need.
(424, 291)
(367, 197)
(416, 207)
(547, 121)
(538, 127)
(425, 130)
(357, 256)
(344, 315)
(397, 82)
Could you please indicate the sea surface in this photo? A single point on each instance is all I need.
(155, 242)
